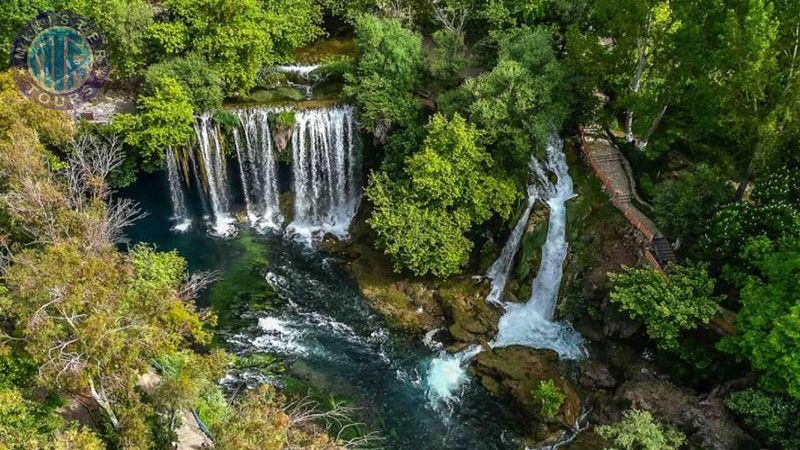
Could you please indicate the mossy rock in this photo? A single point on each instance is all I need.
(286, 204)
(513, 372)
(282, 125)
(464, 303)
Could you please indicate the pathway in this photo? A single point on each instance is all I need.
(613, 170)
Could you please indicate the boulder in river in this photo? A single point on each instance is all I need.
(513, 372)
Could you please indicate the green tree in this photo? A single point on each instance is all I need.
(666, 306)
(25, 423)
(237, 38)
(769, 318)
(549, 397)
(189, 381)
(388, 71)
(522, 101)
(124, 24)
(15, 14)
(773, 417)
(638, 431)
(261, 422)
(683, 206)
(199, 82)
(448, 187)
(165, 120)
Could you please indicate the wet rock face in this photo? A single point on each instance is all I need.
(595, 374)
(706, 421)
(513, 372)
(473, 320)
(281, 136)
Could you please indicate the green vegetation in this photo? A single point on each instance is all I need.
(549, 397)
(701, 96)
(284, 120)
(774, 417)
(638, 431)
(667, 306)
(421, 220)
(164, 121)
(388, 70)
(770, 316)
(683, 206)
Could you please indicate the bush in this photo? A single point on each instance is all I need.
(773, 417)
(201, 83)
(683, 206)
(638, 431)
(283, 120)
(782, 186)
(769, 319)
(388, 68)
(666, 306)
(165, 120)
(549, 397)
(421, 216)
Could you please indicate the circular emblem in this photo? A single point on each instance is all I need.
(59, 60)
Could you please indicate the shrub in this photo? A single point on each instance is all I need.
(283, 120)
(549, 397)
(682, 206)
(773, 417)
(638, 431)
(666, 306)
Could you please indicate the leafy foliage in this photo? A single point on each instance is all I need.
(683, 206)
(124, 24)
(24, 423)
(189, 382)
(260, 422)
(549, 397)
(237, 37)
(200, 82)
(769, 318)
(165, 120)
(638, 431)
(388, 69)
(447, 188)
(522, 101)
(772, 416)
(666, 306)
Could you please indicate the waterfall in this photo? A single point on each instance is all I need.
(326, 169)
(215, 171)
(499, 270)
(301, 73)
(258, 168)
(302, 70)
(325, 164)
(530, 324)
(180, 213)
(527, 324)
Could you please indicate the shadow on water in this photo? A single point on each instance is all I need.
(278, 297)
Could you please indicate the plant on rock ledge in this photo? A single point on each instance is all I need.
(549, 397)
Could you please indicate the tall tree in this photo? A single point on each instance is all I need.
(447, 187)
(388, 71)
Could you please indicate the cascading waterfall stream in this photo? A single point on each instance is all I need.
(258, 168)
(527, 324)
(326, 168)
(530, 324)
(215, 172)
(180, 213)
(325, 163)
(303, 74)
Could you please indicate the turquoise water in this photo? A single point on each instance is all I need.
(278, 297)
